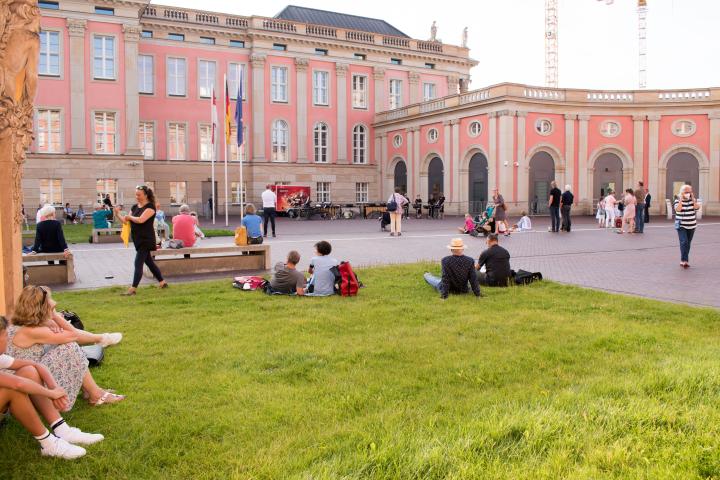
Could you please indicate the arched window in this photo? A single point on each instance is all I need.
(320, 142)
(280, 149)
(360, 144)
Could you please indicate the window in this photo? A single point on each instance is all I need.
(234, 146)
(145, 74)
(107, 186)
(279, 84)
(105, 133)
(206, 78)
(176, 84)
(321, 52)
(397, 141)
(683, 128)
(51, 191)
(322, 192)
(280, 47)
(236, 195)
(207, 40)
(177, 193)
(146, 140)
(360, 56)
(235, 72)
(176, 141)
(432, 135)
(237, 43)
(396, 61)
(49, 5)
(179, 37)
(610, 129)
(49, 53)
(431, 66)
(359, 91)
(280, 150)
(104, 57)
(150, 184)
(320, 143)
(359, 144)
(543, 126)
(361, 192)
(49, 131)
(321, 95)
(428, 91)
(475, 128)
(147, 34)
(395, 94)
(104, 11)
(206, 144)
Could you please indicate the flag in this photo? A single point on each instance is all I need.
(239, 112)
(214, 117)
(228, 119)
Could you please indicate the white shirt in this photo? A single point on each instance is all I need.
(38, 218)
(6, 361)
(525, 223)
(269, 199)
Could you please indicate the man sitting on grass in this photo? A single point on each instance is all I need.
(457, 270)
(287, 280)
(497, 264)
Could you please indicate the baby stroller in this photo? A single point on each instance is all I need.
(485, 223)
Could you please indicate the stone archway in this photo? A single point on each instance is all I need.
(541, 171)
(608, 175)
(682, 168)
(436, 178)
(477, 183)
(400, 176)
(683, 163)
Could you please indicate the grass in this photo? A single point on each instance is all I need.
(541, 382)
(80, 233)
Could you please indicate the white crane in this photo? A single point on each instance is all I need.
(551, 42)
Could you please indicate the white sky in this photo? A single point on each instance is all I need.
(598, 43)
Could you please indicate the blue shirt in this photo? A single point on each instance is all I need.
(101, 217)
(252, 224)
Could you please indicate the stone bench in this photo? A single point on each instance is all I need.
(198, 260)
(106, 235)
(42, 273)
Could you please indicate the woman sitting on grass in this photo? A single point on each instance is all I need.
(38, 333)
(26, 385)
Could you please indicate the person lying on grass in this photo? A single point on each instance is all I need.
(40, 334)
(31, 384)
(287, 279)
(457, 271)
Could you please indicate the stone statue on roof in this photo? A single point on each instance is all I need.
(464, 38)
(433, 32)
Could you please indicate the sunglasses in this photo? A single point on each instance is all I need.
(144, 188)
(44, 292)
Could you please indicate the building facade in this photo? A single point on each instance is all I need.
(349, 106)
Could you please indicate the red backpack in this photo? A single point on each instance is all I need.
(348, 282)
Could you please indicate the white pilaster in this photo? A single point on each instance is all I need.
(522, 166)
(457, 161)
(132, 97)
(492, 154)
(638, 149)
(76, 30)
(341, 71)
(414, 84)
(379, 78)
(713, 201)
(655, 184)
(570, 152)
(505, 154)
(258, 105)
(301, 66)
(585, 178)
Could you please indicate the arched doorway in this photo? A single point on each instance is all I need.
(400, 176)
(682, 168)
(542, 172)
(478, 183)
(608, 176)
(436, 178)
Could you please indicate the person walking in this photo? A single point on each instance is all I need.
(610, 202)
(566, 201)
(686, 207)
(500, 213)
(269, 200)
(395, 206)
(628, 212)
(640, 208)
(142, 231)
(554, 206)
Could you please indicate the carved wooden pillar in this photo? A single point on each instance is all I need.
(19, 27)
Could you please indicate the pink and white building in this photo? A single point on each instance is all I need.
(349, 106)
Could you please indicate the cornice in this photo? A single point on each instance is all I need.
(76, 27)
(341, 69)
(257, 61)
(639, 118)
(132, 32)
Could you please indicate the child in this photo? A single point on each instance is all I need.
(34, 380)
(600, 215)
(198, 233)
(524, 224)
(469, 226)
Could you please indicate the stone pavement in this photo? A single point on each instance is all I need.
(645, 265)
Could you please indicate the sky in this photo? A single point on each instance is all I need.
(598, 43)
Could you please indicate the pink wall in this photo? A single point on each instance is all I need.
(556, 137)
(356, 116)
(284, 111)
(466, 141)
(624, 140)
(397, 75)
(55, 91)
(700, 139)
(320, 113)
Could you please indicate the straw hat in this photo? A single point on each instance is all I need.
(456, 244)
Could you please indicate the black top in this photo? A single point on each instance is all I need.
(497, 265)
(143, 234)
(648, 199)
(49, 237)
(108, 202)
(555, 193)
(457, 271)
(567, 198)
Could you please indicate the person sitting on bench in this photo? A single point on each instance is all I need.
(184, 226)
(69, 213)
(287, 280)
(496, 261)
(457, 271)
(417, 205)
(253, 225)
(49, 237)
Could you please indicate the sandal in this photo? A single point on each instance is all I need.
(129, 293)
(107, 398)
(163, 285)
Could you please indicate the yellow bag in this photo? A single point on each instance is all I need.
(125, 233)
(241, 236)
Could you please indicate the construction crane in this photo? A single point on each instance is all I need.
(552, 40)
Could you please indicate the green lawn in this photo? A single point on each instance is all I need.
(80, 233)
(540, 382)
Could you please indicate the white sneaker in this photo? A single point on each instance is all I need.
(109, 339)
(76, 436)
(59, 448)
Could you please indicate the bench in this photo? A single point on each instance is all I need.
(197, 260)
(106, 235)
(41, 273)
(28, 238)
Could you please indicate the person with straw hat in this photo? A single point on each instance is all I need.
(457, 271)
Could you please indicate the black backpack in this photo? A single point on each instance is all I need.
(94, 353)
(392, 204)
(523, 277)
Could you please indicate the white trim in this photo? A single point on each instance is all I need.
(154, 138)
(167, 76)
(277, 85)
(61, 55)
(168, 124)
(244, 69)
(365, 91)
(36, 128)
(364, 148)
(327, 143)
(200, 126)
(116, 114)
(114, 77)
(287, 141)
(200, 96)
(316, 89)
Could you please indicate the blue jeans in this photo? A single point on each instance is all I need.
(685, 237)
(555, 217)
(640, 217)
(433, 281)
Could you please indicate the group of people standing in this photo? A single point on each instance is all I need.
(632, 208)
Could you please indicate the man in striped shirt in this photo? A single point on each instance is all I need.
(685, 207)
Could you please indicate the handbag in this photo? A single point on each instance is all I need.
(392, 205)
(93, 353)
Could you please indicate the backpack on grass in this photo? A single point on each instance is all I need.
(94, 353)
(347, 282)
(249, 283)
(523, 277)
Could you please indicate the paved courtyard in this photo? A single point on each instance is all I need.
(645, 265)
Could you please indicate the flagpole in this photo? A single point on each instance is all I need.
(240, 151)
(212, 157)
(225, 151)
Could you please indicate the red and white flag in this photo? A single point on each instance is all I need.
(214, 117)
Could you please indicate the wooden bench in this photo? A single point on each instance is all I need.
(41, 273)
(106, 235)
(196, 260)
